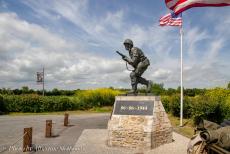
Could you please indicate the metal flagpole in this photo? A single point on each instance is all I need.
(43, 83)
(181, 76)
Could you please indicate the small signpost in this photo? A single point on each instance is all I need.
(41, 80)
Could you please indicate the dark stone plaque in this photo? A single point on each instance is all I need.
(133, 108)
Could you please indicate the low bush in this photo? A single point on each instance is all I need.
(35, 103)
(172, 105)
(2, 105)
(97, 97)
(213, 105)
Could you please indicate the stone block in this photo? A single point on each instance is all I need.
(139, 131)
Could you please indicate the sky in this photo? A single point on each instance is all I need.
(75, 41)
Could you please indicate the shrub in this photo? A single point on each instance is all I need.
(212, 105)
(2, 105)
(172, 105)
(97, 97)
(166, 102)
(175, 105)
(226, 108)
(36, 103)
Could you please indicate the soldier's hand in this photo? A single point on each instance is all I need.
(125, 58)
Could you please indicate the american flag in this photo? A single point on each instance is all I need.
(171, 19)
(179, 6)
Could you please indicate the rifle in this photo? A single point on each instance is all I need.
(123, 56)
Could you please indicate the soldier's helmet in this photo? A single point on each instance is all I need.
(128, 41)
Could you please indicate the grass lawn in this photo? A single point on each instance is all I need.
(187, 129)
(106, 109)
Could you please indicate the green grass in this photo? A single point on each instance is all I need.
(106, 109)
(187, 129)
(102, 109)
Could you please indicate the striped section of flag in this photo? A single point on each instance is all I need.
(171, 20)
(179, 6)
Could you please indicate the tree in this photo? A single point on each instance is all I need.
(56, 92)
(25, 90)
(170, 91)
(17, 91)
(157, 89)
(228, 87)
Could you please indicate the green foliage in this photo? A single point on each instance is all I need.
(213, 105)
(2, 105)
(194, 92)
(35, 103)
(206, 108)
(166, 102)
(27, 90)
(170, 91)
(97, 98)
(228, 86)
(172, 105)
(157, 89)
(226, 108)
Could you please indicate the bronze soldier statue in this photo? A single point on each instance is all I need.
(140, 63)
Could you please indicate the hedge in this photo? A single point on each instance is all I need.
(214, 105)
(35, 103)
(97, 98)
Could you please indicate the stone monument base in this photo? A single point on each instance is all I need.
(139, 122)
(94, 141)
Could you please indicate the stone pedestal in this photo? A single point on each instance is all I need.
(139, 122)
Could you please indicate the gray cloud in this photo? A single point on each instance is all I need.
(33, 47)
(27, 47)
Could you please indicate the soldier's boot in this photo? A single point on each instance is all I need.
(149, 86)
(133, 91)
(148, 83)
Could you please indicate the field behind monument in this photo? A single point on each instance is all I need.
(210, 104)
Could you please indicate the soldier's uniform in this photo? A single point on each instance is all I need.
(140, 63)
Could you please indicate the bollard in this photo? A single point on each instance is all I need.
(27, 139)
(66, 119)
(48, 128)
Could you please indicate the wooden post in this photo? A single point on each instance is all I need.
(27, 139)
(48, 128)
(66, 119)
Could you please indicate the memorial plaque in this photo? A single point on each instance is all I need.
(133, 108)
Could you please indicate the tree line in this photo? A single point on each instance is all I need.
(157, 89)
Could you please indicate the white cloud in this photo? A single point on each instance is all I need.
(77, 12)
(192, 38)
(161, 74)
(32, 47)
(27, 47)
